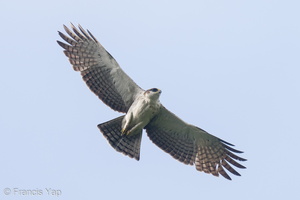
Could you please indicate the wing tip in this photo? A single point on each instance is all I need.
(63, 45)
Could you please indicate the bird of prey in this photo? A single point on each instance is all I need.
(143, 110)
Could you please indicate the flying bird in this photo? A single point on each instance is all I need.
(143, 110)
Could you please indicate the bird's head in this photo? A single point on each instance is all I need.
(153, 93)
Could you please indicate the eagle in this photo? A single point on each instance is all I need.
(184, 142)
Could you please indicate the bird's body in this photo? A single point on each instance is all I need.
(143, 110)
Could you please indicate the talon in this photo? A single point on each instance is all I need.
(125, 132)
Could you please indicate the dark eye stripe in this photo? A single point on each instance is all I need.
(154, 89)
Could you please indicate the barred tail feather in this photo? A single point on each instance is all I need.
(126, 144)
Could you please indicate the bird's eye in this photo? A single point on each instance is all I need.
(154, 89)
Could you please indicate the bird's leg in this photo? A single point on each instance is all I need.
(135, 129)
(125, 123)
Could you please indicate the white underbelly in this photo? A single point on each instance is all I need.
(139, 115)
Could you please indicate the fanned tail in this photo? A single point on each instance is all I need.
(126, 144)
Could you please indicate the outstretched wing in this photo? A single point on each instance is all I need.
(192, 145)
(99, 69)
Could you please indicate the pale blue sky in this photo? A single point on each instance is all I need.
(229, 67)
